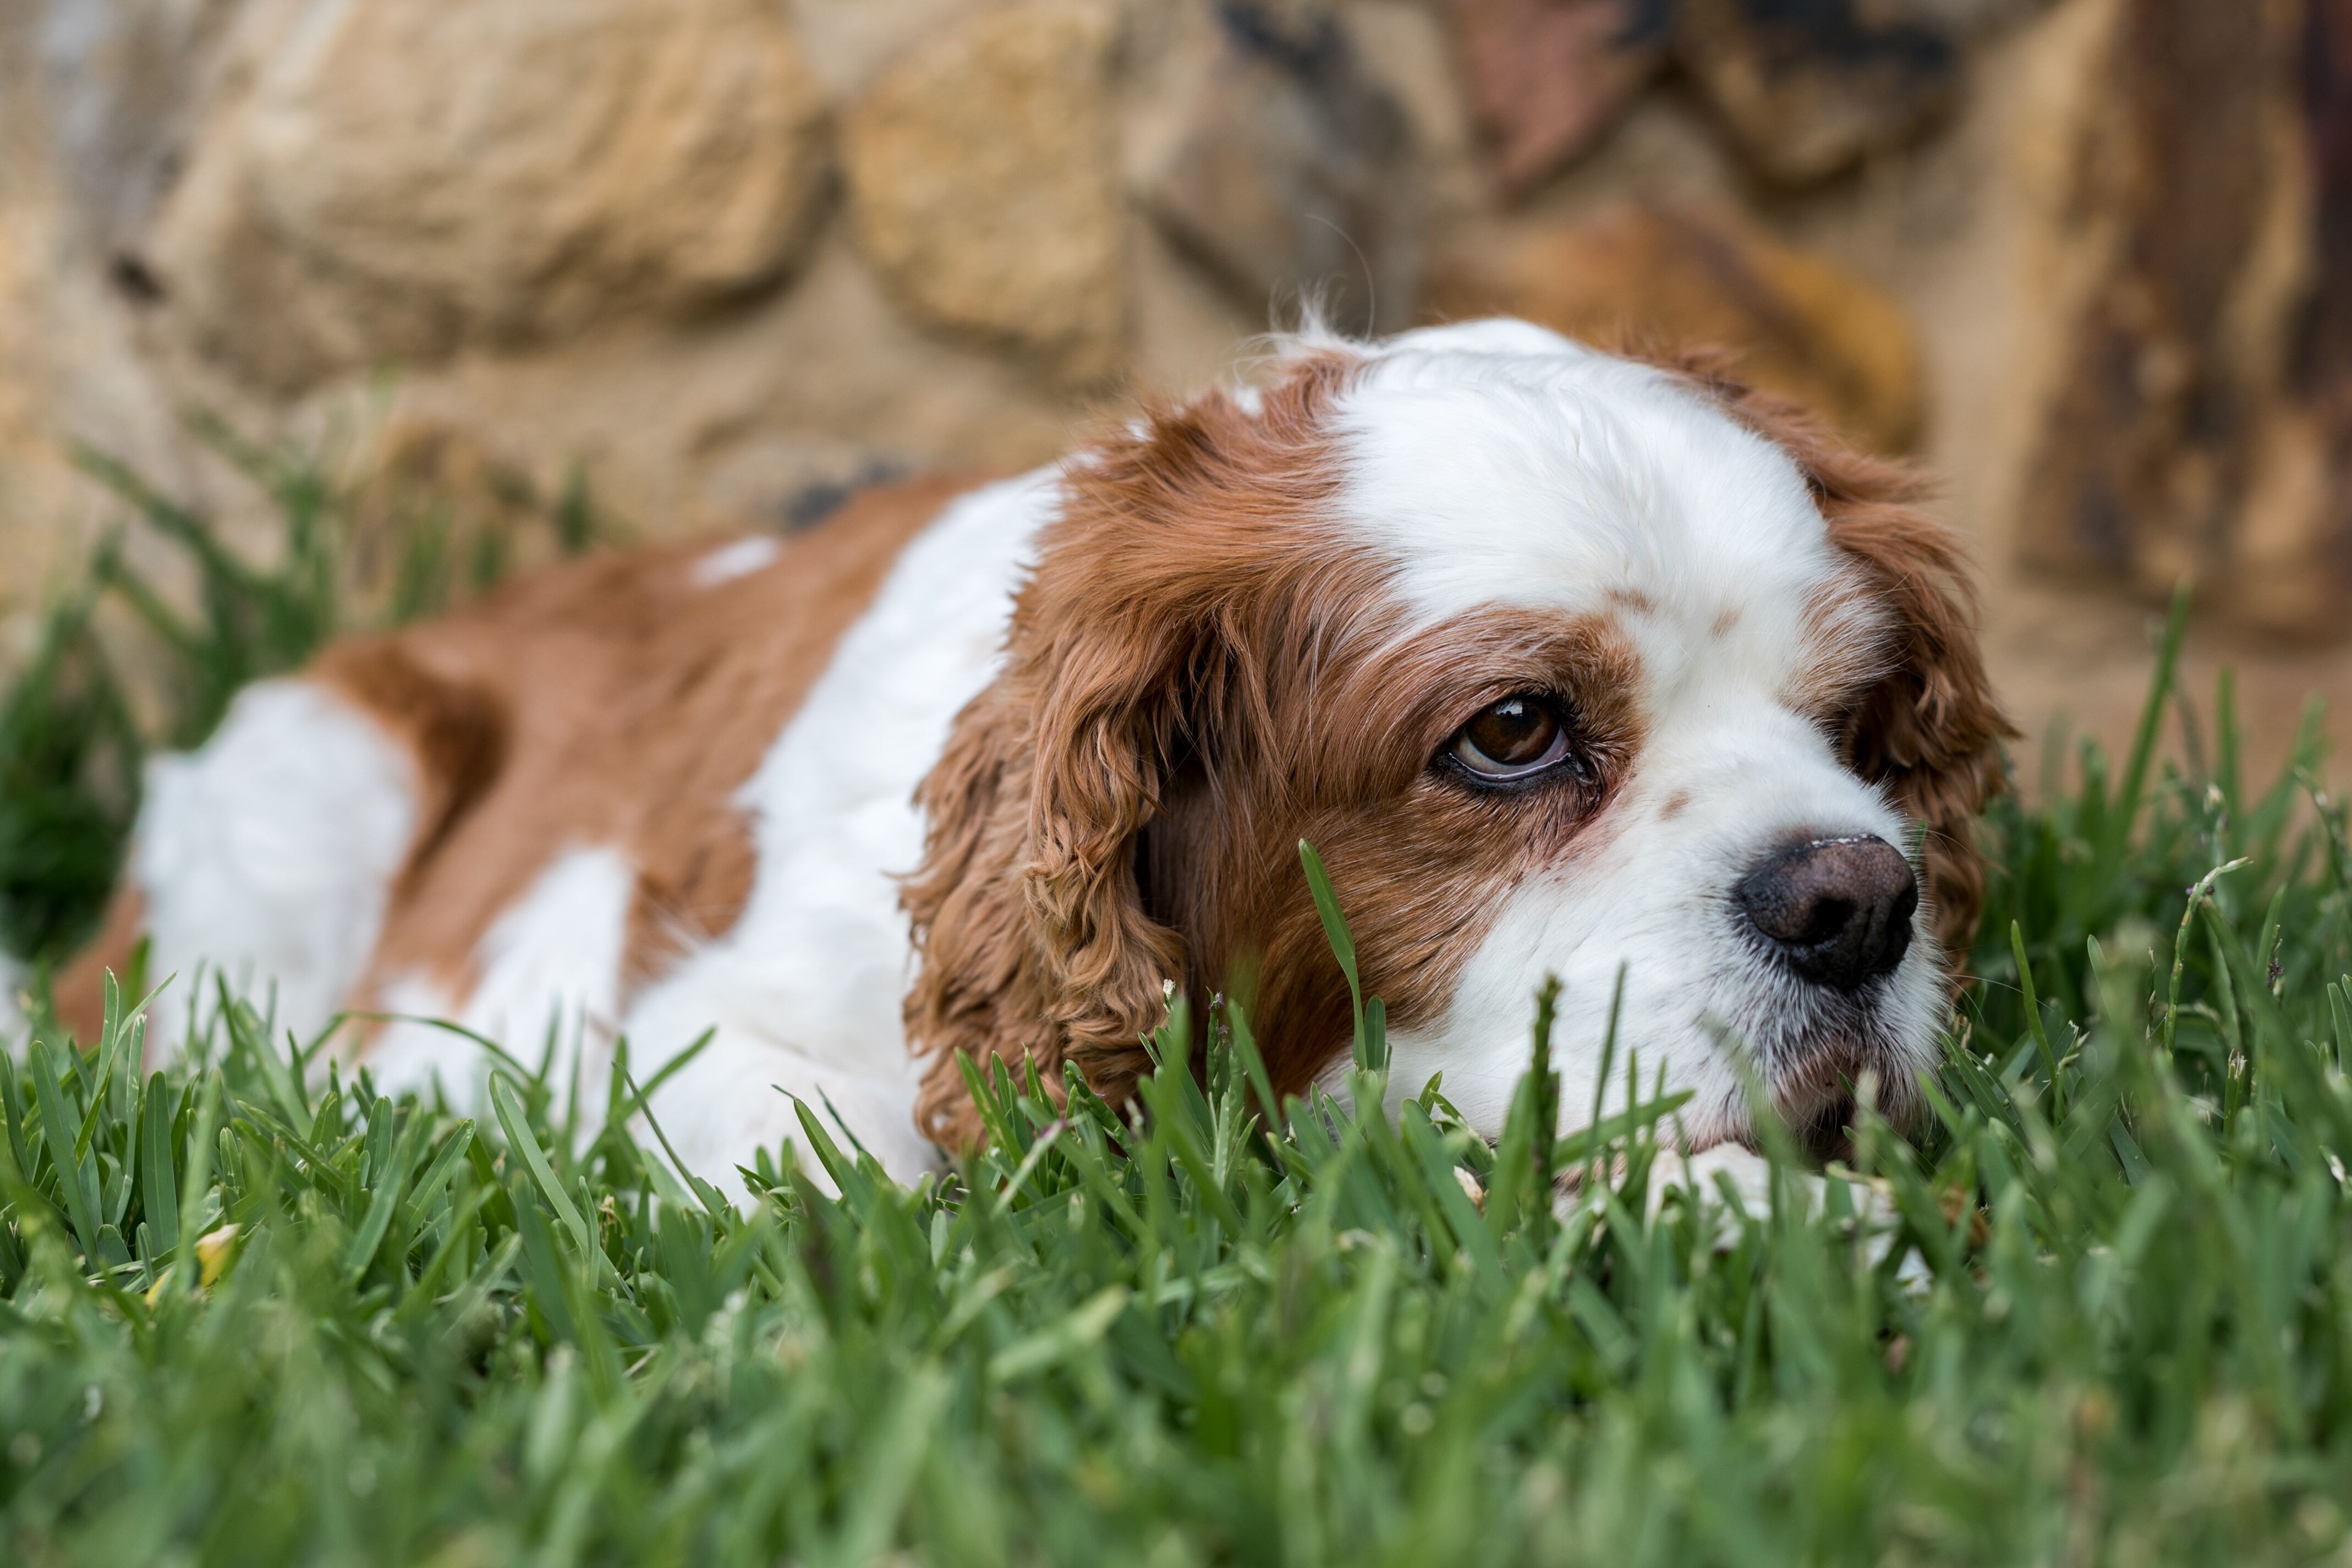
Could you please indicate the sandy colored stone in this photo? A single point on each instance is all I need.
(1547, 76)
(1794, 323)
(2297, 569)
(1808, 87)
(983, 184)
(2200, 424)
(1297, 176)
(124, 83)
(22, 533)
(689, 419)
(65, 376)
(1976, 16)
(404, 178)
(677, 428)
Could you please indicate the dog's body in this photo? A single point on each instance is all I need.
(617, 798)
(837, 799)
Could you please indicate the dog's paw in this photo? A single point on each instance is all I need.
(1726, 1179)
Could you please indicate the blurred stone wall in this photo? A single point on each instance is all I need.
(730, 257)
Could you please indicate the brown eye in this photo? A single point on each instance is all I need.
(1512, 739)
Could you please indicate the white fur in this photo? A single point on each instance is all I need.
(804, 991)
(1497, 465)
(1705, 1174)
(550, 972)
(265, 855)
(741, 558)
(1516, 467)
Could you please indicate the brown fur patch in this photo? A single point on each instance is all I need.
(614, 702)
(1179, 546)
(455, 732)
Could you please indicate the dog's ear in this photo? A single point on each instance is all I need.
(1032, 935)
(1928, 728)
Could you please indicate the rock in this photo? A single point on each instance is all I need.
(404, 178)
(2200, 422)
(435, 515)
(1546, 77)
(123, 84)
(2310, 589)
(1297, 177)
(789, 484)
(1975, 15)
(983, 184)
(1810, 86)
(24, 548)
(1794, 323)
(68, 375)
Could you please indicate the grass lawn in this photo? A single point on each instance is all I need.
(253, 1313)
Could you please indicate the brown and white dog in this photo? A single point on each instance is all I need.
(1569, 665)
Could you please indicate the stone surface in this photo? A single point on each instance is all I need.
(1810, 86)
(2317, 568)
(2199, 425)
(70, 373)
(24, 542)
(1975, 15)
(983, 184)
(126, 82)
(1297, 177)
(723, 423)
(404, 178)
(1546, 77)
(1793, 322)
(752, 414)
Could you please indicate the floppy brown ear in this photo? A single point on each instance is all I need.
(1032, 935)
(1929, 728)
(1031, 938)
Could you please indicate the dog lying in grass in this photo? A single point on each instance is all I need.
(1570, 665)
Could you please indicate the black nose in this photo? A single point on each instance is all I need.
(1836, 911)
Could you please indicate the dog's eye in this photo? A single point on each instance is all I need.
(1512, 739)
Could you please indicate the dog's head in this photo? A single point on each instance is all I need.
(1567, 665)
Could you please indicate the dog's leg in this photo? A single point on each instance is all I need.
(741, 1094)
(264, 857)
(546, 983)
(770, 1048)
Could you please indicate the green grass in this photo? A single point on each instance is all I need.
(250, 1311)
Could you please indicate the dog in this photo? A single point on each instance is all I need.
(1570, 665)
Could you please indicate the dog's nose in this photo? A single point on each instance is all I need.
(1836, 911)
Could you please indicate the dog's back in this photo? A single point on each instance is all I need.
(581, 791)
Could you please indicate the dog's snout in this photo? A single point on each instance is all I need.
(1836, 911)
